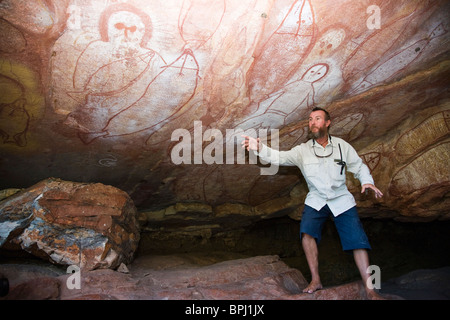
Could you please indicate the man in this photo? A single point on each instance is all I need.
(323, 161)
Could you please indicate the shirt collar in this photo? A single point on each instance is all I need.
(311, 144)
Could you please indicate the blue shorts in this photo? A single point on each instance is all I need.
(348, 225)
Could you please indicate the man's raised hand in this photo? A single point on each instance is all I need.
(250, 143)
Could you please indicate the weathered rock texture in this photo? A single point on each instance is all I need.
(87, 225)
(94, 91)
(257, 278)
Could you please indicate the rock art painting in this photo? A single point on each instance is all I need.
(424, 149)
(371, 159)
(420, 174)
(283, 52)
(414, 165)
(418, 138)
(293, 101)
(193, 28)
(20, 103)
(14, 118)
(350, 126)
(399, 61)
(94, 89)
(129, 88)
(369, 47)
(225, 79)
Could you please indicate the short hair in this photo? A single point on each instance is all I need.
(327, 114)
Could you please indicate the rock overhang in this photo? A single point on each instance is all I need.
(84, 100)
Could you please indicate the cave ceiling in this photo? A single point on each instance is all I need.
(119, 92)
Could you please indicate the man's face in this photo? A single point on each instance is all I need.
(318, 126)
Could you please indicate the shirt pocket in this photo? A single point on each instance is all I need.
(311, 167)
(336, 175)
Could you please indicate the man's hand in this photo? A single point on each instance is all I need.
(250, 143)
(378, 193)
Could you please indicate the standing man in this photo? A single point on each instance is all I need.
(323, 161)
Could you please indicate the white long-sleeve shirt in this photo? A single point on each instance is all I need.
(325, 182)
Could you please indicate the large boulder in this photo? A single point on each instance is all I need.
(90, 225)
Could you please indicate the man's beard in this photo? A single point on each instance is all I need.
(319, 134)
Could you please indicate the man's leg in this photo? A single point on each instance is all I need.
(310, 232)
(353, 238)
(312, 256)
(362, 262)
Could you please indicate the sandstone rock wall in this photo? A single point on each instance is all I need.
(92, 91)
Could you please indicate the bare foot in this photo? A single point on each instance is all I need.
(313, 286)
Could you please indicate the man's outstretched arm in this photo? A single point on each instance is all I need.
(271, 155)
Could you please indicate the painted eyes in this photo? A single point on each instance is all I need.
(121, 26)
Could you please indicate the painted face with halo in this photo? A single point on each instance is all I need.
(315, 73)
(125, 28)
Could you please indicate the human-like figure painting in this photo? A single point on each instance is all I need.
(284, 51)
(398, 61)
(123, 86)
(287, 104)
